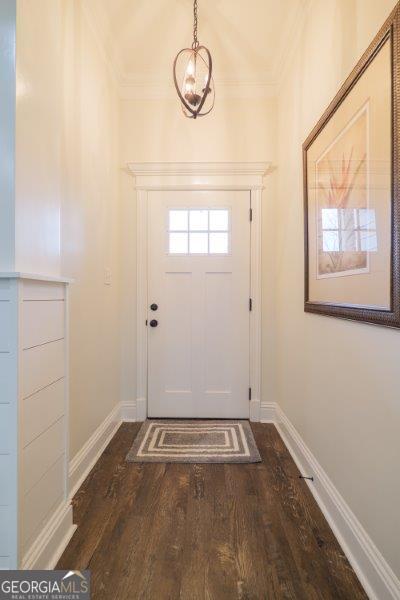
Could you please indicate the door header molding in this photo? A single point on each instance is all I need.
(199, 175)
(195, 168)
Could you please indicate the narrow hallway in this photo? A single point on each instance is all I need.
(200, 226)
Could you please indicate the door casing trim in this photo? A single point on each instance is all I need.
(198, 176)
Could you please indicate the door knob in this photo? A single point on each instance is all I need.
(153, 323)
(154, 306)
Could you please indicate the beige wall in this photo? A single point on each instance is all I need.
(236, 130)
(156, 131)
(67, 191)
(38, 170)
(337, 380)
(90, 226)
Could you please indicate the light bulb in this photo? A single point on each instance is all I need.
(190, 68)
(190, 83)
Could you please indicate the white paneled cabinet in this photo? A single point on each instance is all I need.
(33, 416)
(50, 315)
(41, 410)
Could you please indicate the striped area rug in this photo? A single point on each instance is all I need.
(194, 442)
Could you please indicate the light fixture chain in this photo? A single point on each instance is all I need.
(195, 40)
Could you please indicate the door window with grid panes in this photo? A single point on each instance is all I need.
(198, 231)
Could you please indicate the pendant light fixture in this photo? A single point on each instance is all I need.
(193, 77)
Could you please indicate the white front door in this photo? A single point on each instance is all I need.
(198, 315)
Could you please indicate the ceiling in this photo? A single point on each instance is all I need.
(248, 39)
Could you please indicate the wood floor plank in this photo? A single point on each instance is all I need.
(205, 531)
(222, 575)
(197, 533)
(98, 479)
(160, 564)
(277, 548)
(109, 567)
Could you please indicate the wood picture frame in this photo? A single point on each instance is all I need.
(352, 195)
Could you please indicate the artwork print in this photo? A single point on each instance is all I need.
(346, 225)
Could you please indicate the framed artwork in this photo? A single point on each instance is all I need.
(351, 192)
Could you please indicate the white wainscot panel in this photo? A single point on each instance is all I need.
(42, 290)
(5, 536)
(5, 563)
(6, 325)
(41, 502)
(6, 429)
(43, 321)
(41, 454)
(33, 371)
(7, 466)
(42, 366)
(8, 386)
(41, 410)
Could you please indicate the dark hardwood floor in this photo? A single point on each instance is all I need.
(195, 532)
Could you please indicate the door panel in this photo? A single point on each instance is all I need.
(199, 276)
(218, 332)
(177, 325)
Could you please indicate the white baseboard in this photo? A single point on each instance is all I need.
(268, 412)
(141, 409)
(83, 462)
(52, 540)
(129, 411)
(376, 576)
